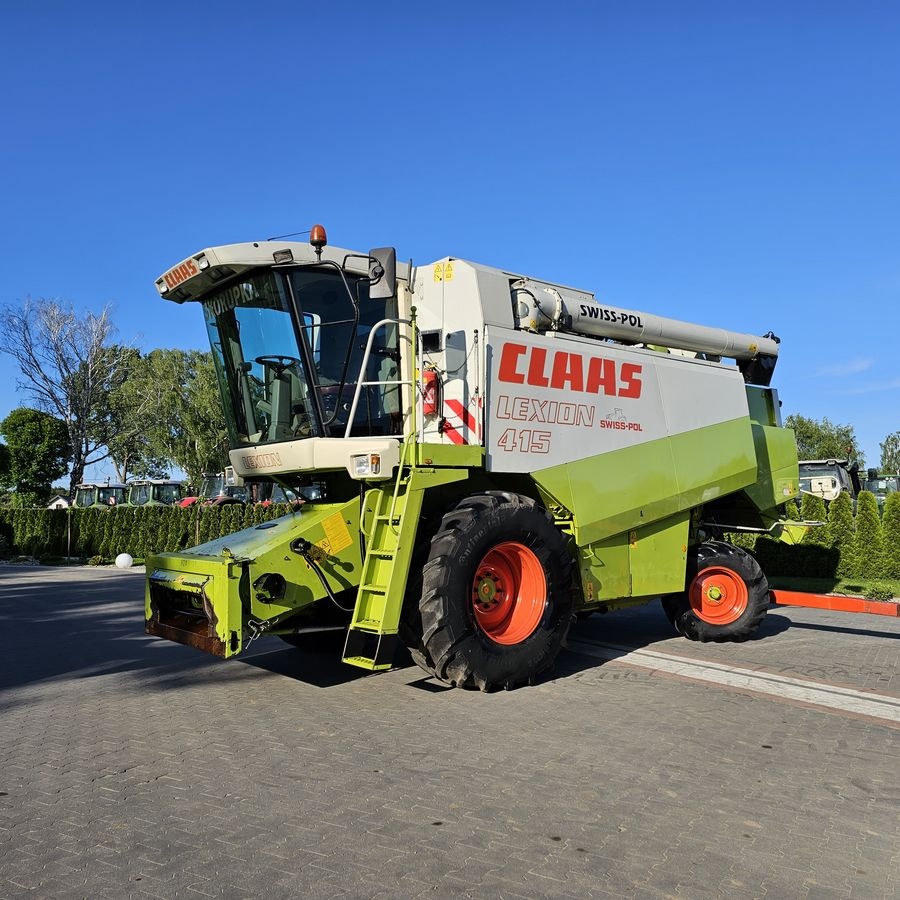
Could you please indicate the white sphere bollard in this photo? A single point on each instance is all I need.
(124, 561)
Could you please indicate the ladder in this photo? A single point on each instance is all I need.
(394, 518)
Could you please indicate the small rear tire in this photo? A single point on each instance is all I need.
(726, 596)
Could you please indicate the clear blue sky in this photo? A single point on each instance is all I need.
(735, 164)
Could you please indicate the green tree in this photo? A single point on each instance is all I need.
(69, 367)
(38, 452)
(824, 440)
(5, 467)
(890, 527)
(124, 423)
(840, 529)
(812, 509)
(867, 547)
(890, 454)
(171, 413)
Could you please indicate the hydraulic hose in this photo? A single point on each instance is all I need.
(302, 546)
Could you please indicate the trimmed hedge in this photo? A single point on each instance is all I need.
(857, 546)
(847, 545)
(86, 533)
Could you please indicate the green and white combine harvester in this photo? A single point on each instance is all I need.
(493, 455)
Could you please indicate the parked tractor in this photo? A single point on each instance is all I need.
(105, 496)
(155, 492)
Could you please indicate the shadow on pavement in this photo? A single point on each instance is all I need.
(84, 623)
(81, 623)
(838, 629)
(317, 663)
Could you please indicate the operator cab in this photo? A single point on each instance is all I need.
(155, 492)
(288, 331)
(100, 495)
(288, 346)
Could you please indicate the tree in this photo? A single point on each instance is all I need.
(867, 547)
(173, 413)
(890, 526)
(5, 467)
(841, 529)
(812, 509)
(69, 368)
(38, 452)
(890, 453)
(824, 440)
(133, 409)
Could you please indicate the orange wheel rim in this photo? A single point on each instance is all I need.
(509, 593)
(718, 595)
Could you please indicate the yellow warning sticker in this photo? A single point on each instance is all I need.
(336, 533)
(448, 271)
(439, 272)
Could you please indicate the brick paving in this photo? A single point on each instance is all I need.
(132, 767)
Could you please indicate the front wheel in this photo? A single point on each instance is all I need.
(497, 599)
(726, 595)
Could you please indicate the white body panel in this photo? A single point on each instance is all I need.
(313, 454)
(554, 399)
(462, 302)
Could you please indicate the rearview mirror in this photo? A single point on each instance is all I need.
(382, 273)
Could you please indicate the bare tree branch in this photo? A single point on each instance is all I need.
(68, 367)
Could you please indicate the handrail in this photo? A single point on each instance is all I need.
(362, 368)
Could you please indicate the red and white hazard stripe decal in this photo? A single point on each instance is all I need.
(459, 421)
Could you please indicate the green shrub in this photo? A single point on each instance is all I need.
(890, 529)
(880, 591)
(812, 509)
(867, 547)
(797, 560)
(841, 528)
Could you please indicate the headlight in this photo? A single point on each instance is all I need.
(366, 465)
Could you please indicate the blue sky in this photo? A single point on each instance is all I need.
(733, 164)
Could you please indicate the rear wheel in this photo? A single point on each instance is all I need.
(496, 600)
(726, 596)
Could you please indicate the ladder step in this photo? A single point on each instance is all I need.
(373, 588)
(370, 626)
(383, 554)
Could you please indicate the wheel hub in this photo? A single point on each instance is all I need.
(509, 593)
(488, 591)
(718, 595)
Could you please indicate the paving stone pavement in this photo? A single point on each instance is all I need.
(132, 767)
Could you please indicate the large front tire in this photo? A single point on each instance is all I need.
(496, 601)
(726, 596)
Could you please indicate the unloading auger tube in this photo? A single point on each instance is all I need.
(543, 308)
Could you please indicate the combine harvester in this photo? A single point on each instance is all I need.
(493, 455)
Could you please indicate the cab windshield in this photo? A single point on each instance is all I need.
(288, 345)
(212, 486)
(84, 496)
(166, 493)
(140, 494)
(111, 496)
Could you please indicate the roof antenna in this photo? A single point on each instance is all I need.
(281, 237)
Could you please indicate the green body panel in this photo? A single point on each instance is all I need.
(643, 562)
(464, 455)
(218, 578)
(659, 556)
(777, 475)
(762, 403)
(391, 520)
(631, 488)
